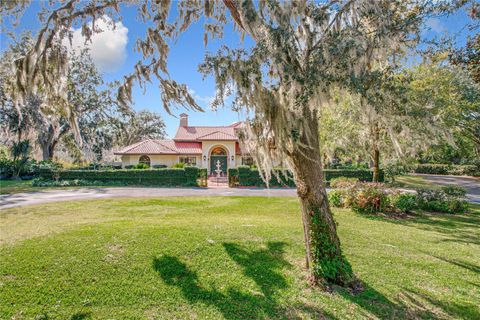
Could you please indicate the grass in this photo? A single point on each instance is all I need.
(414, 182)
(16, 186)
(227, 258)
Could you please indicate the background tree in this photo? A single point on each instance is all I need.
(138, 126)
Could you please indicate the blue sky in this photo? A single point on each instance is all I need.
(185, 56)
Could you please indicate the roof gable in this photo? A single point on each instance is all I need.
(199, 133)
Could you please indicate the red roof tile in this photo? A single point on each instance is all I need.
(162, 147)
(218, 135)
(194, 133)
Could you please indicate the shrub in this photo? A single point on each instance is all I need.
(141, 166)
(191, 175)
(232, 177)
(394, 169)
(343, 182)
(458, 170)
(448, 200)
(404, 202)
(128, 167)
(203, 177)
(432, 168)
(179, 165)
(367, 199)
(336, 197)
(156, 177)
(247, 176)
(455, 191)
(159, 166)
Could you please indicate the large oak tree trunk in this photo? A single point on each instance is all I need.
(324, 254)
(48, 149)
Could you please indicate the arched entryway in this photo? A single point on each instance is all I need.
(218, 154)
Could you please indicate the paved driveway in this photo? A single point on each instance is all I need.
(471, 184)
(22, 199)
(29, 198)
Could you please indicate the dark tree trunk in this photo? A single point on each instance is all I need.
(48, 150)
(376, 154)
(325, 260)
(376, 165)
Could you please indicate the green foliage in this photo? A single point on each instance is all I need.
(336, 197)
(394, 169)
(404, 202)
(232, 177)
(179, 165)
(454, 191)
(153, 177)
(367, 199)
(202, 177)
(444, 169)
(448, 200)
(192, 174)
(343, 182)
(247, 176)
(39, 182)
(363, 175)
(141, 166)
(251, 177)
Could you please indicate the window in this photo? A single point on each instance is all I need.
(145, 160)
(247, 161)
(189, 161)
(218, 152)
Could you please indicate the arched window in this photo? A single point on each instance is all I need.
(218, 151)
(145, 160)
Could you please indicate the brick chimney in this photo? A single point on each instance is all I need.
(183, 120)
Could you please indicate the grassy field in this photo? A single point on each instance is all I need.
(414, 182)
(14, 186)
(227, 258)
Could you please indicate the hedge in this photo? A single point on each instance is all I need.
(151, 177)
(245, 176)
(444, 169)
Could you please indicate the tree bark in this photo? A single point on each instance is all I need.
(376, 154)
(325, 260)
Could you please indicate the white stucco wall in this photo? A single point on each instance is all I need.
(207, 147)
(202, 161)
(168, 160)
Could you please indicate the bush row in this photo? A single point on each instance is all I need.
(371, 198)
(188, 176)
(247, 177)
(450, 169)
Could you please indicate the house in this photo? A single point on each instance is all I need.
(200, 146)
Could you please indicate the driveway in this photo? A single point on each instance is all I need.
(471, 184)
(30, 198)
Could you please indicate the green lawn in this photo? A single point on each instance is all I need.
(14, 186)
(227, 258)
(414, 182)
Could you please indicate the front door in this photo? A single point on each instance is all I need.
(223, 164)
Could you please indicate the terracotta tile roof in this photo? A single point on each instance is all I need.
(218, 135)
(162, 147)
(196, 133)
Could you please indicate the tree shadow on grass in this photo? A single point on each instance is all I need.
(263, 266)
(459, 228)
(409, 305)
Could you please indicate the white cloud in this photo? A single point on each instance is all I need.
(107, 48)
(435, 25)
